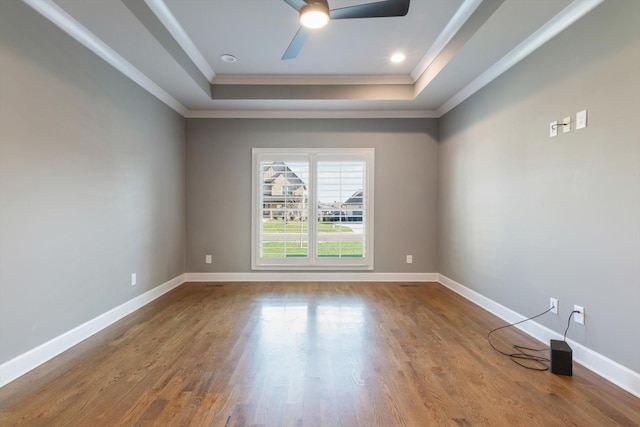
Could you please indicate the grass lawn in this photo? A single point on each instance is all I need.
(345, 249)
(325, 249)
(279, 226)
(299, 249)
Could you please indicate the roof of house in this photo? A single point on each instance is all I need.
(281, 169)
(355, 199)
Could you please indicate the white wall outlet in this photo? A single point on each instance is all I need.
(566, 125)
(134, 279)
(581, 119)
(553, 305)
(578, 317)
(553, 129)
(207, 259)
(409, 259)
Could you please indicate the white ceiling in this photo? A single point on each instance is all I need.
(172, 48)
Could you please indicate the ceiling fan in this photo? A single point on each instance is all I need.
(316, 14)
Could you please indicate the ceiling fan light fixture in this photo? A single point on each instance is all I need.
(314, 15)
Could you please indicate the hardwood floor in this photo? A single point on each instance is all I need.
(307, 354)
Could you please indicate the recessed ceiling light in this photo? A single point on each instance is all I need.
(228, 58)
(397, 57)
(314, 15)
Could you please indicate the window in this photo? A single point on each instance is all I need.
(312, 209)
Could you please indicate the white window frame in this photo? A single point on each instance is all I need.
(312, 262)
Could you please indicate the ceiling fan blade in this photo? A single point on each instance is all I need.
(296, 4)
(382, 9)
(296, 44)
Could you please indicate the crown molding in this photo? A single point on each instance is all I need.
(292, 79)
(555, 26)
(312, 114)
(162, 12)
(450, 30)
(68, 24)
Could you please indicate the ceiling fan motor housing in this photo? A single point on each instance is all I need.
(314, 15)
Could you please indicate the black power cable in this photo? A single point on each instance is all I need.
(522, 354)
(564, 337)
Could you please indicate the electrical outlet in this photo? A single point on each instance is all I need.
(134, 279)
(553, 305)
(578, 317)
(566, 125)
(207, 259)
(581, 119)
(409, 259)
(553, 129)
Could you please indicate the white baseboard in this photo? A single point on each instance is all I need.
(311, 276)
(33, 358)
(25, 362)
(620, 375)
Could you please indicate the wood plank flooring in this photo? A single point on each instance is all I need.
(307, 354)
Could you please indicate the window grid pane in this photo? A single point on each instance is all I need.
(284, 212)
(341, 186)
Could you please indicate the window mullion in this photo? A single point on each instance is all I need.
(312, 225)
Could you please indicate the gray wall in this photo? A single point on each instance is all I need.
(219, 185)
(523, 217)
(91, 184)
